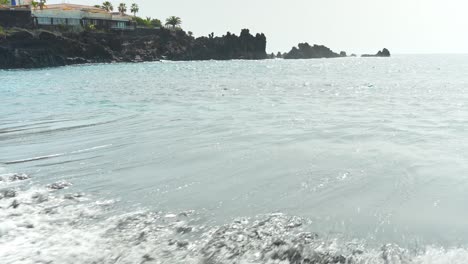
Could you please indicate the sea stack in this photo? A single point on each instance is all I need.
(306, 51)
(381, 53)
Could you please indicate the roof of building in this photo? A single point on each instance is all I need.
(89, 12)
(120, 16)
(75, 7)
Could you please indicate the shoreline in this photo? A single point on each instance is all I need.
(22, 48)
(163, 61)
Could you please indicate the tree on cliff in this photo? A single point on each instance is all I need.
(134, 9)
(34, 4)
(156, 22)
(122, 8)
(42, 4)
(148, 22)
(173, 21)
(107, 6)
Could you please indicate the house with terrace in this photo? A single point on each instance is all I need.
(81, 16)
(20, 13)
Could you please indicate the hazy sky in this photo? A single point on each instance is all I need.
(356, 26)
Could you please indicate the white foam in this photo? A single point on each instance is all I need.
(50, 226)
(435, 255)
(90, 149)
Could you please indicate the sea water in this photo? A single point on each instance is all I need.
(356, 160)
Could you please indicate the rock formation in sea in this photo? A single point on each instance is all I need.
(229, 46)
(381, 53)
(22, 48)
(306, 51)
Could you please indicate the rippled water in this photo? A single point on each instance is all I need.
(350, 160)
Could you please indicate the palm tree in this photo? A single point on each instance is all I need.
(173, 21)
(42, 4)
(34, 4)
(122, 8)
(107, 6)
(134, 9)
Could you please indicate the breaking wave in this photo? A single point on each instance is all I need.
(54, 224)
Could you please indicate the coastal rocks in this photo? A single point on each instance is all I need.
(272, 239)
(15, 204)
(8, 193)
(184, 229)
(381, 53)
(23, 48)
(306, 51)
(33, 49)
(19, 177)
(245, 46)
(59, 185)
(14, 177)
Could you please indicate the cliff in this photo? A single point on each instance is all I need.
(305, 51)
(380, 53)
(21, 48)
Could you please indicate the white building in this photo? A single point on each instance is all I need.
(80, 15)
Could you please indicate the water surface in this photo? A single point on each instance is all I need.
(370, 150)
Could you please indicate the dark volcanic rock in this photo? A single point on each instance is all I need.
(8, 193)
(229, 46)
(15, 177)
(380, 53)
(59, 185)
(23, 48)
(33, 49)
(19, 177)
(305, 51)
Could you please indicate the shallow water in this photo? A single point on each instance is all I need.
(368, 154)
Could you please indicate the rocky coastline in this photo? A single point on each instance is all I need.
(36, 48)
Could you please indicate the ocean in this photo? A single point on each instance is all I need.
(347, 160)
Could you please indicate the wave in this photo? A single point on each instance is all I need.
(34, 128)
(53, 224)
(55, 155)
(34, 158)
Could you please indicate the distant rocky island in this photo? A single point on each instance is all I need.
(380, 53)
(306, 51)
